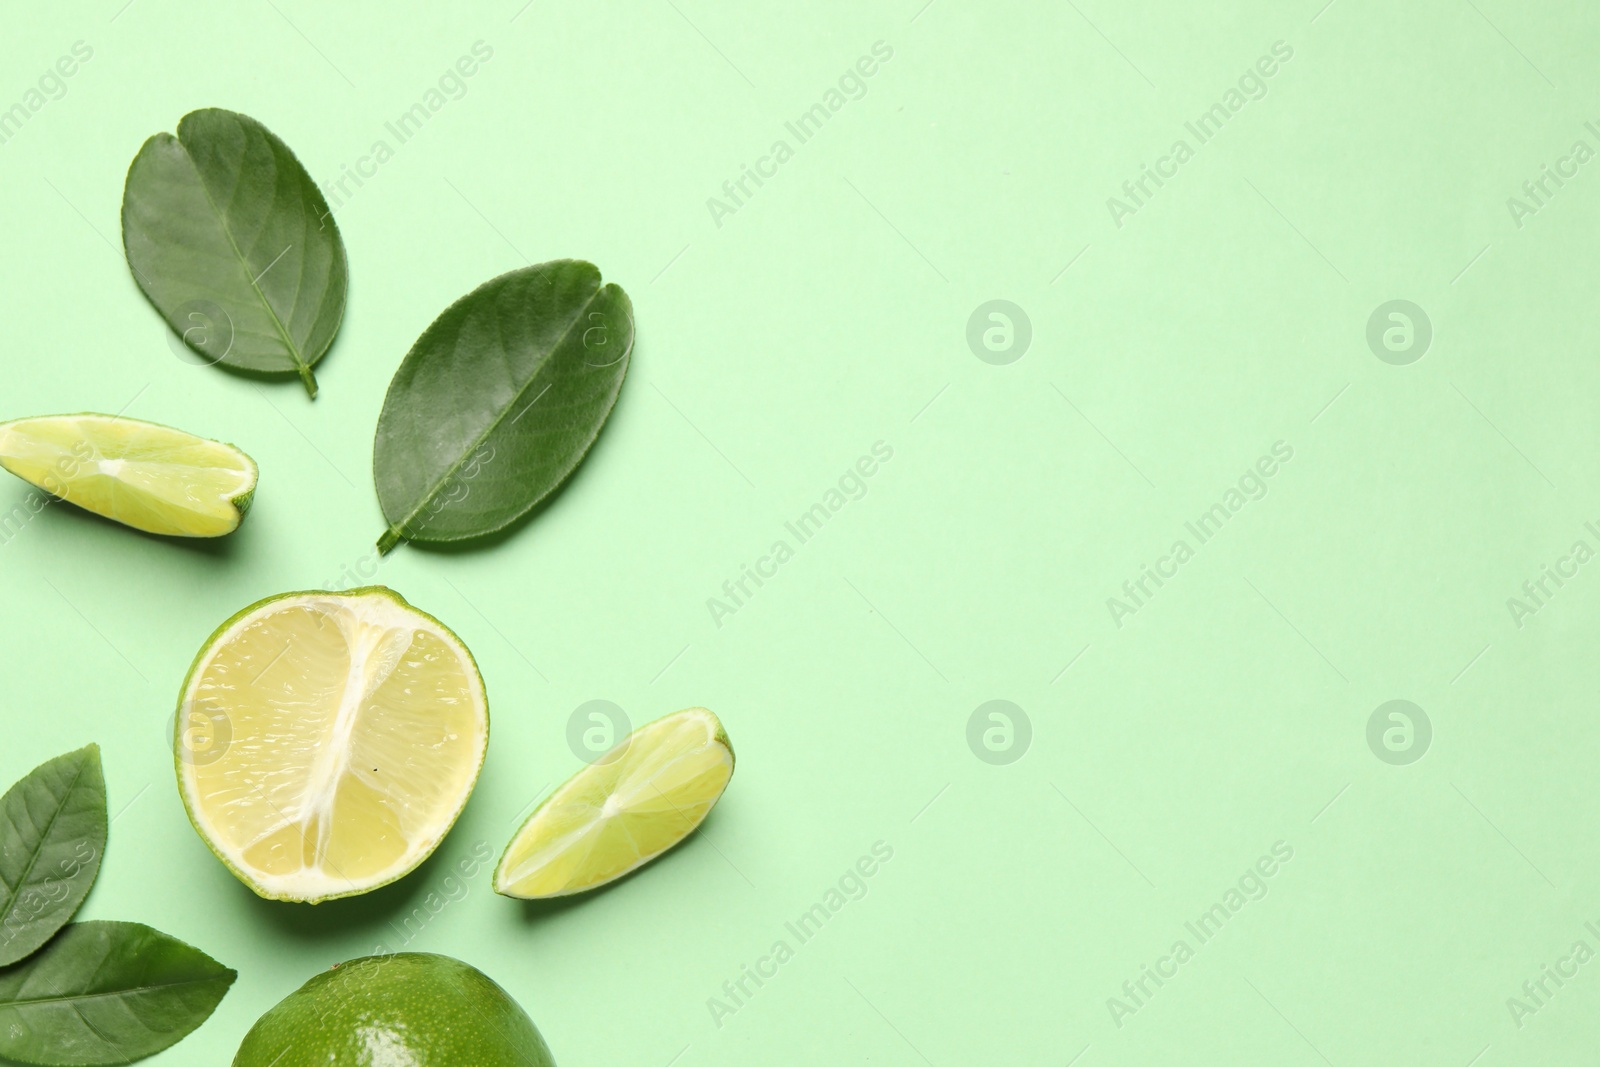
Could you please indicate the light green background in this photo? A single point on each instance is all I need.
(829, 313)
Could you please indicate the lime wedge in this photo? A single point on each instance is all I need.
(622, 811)
(150, 477)
(326, 742)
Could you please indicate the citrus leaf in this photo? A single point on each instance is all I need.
(234, 244)
(499, 400)
(106, 993)
(52, 835)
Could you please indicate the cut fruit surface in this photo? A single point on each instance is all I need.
(622, 811)
(326, 742)
(141, 474)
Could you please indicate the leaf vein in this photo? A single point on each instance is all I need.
(461, 461)
(134, 991)
(301, 365)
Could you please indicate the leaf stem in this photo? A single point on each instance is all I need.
(309, 379)
(391, 537)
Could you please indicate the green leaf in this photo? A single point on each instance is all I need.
(499, 400)
(106, 993)
(234, 244)
(52, 835)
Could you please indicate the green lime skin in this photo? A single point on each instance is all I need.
(410, 1009)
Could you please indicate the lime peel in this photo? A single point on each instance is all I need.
(401, 1009)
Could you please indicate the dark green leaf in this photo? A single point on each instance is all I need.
(52, 835)
(234, 244)
(106, 993)
(499, 400)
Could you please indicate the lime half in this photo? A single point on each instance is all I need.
(326, 742)
(150, 477)
(622, 811)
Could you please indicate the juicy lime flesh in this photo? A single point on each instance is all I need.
(354, 731)
(650, 793)
(402, 1010)
(150, 477)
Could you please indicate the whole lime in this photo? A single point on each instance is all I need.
(410, 1009)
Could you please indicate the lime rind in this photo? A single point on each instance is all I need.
(394, 1009)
